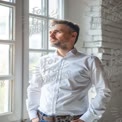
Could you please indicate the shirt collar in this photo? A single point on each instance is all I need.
(71, 52)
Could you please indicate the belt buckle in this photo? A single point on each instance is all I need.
(71, 118)
(49, 118)
(63, 118)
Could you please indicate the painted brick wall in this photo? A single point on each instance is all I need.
(112, 56)
(105, 30)
(101, 35)
(93, 44)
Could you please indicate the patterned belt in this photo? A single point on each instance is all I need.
(58, 118)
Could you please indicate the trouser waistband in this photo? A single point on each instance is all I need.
(57, 118)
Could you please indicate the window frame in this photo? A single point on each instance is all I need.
(16, 88)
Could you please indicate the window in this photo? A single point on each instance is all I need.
(23, 39)
(12, 1)
(10, 60)
(40, 13)
(7, 44)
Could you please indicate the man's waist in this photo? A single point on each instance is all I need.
(55, 118)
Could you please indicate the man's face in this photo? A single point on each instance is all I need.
(61, 36)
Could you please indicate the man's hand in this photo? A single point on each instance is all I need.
(35, 119)
(77, 120)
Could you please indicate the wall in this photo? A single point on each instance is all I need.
(112, 55)
(78, 13)
(101, 35)
(87, 14)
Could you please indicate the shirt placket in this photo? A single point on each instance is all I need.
(56, 88)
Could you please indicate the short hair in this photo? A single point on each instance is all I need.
(73, 26)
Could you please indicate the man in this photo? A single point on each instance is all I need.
(58, 91)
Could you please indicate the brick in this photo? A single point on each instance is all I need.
(95, 32)
(112, 29)
(97, 37)
(95, 50)
(111, 45)
(94, 14)
(93, 44)
(95, 26)
(96, 8)
(110, 39)
(95, 2)
(112, 34)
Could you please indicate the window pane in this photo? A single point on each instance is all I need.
(12, 1)
(33, 61)
(38, 7)
(4, 59)
(54, 8)
(5, 23)
(4, 96)
(37, 33)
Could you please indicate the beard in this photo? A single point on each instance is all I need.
(59, 45)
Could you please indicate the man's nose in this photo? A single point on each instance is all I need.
(52, 33)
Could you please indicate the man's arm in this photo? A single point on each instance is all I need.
(98, 104)
(33, 93)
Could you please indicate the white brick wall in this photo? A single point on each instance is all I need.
(112, 56)
(101, 35)
(93, 14)
(105, 32)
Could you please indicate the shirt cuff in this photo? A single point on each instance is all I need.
(32, 114)
(89, 117)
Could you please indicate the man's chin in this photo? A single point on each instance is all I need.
(53, 45)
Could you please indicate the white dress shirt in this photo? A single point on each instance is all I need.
(60, 86)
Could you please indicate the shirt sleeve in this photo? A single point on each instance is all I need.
(103, 93)
(33, 93)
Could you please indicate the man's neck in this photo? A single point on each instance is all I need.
(63, 52)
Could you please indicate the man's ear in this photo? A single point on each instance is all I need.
(74, 34)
